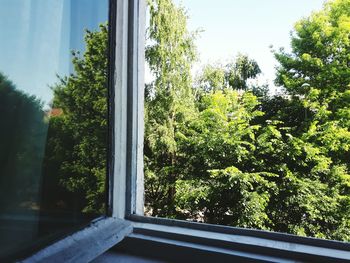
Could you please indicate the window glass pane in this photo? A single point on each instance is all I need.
(247, 114)
(53, 116)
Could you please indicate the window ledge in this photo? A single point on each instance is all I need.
(180, 241)
(86, 244)
(173, 239)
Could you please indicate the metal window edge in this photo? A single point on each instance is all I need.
(182, 239)
(228, 240)
(135, 114)
(277, 236)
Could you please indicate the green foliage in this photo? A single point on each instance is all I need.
(234, 75)
(83, 98)
(169, 100)
(241, 70)
(236, 155)
(222, 134)
(228, 196)
(318, 67)
(317, 73)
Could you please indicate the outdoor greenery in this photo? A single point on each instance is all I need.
(217, 148)
(221, 150)
(53, 160)
(76, 154)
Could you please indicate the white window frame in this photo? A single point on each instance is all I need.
(125, 220)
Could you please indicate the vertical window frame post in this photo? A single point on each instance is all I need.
(135, 98)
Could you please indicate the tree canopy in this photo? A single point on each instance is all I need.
(247, 158)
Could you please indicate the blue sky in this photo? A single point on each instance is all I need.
(36, 37)
(246, 26)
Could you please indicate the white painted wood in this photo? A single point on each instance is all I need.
(257, 244)
(135, 132)
(119, 180)
(141, 11)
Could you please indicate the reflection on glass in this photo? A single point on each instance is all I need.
(53, 115)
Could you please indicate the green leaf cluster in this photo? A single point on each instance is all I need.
(80, 144)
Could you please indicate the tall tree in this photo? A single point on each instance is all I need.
(317, 74)
(318, 68)
(170, 103)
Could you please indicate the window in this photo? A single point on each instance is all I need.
(124, 221)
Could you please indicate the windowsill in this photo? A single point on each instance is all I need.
(86, 244)
(180, 241)
(205, 241)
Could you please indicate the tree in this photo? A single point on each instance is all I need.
(317, 74)
(241, 70)
(219, 186)
(318, 68)
(169, 104)
(82, 96)
(234, 75)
